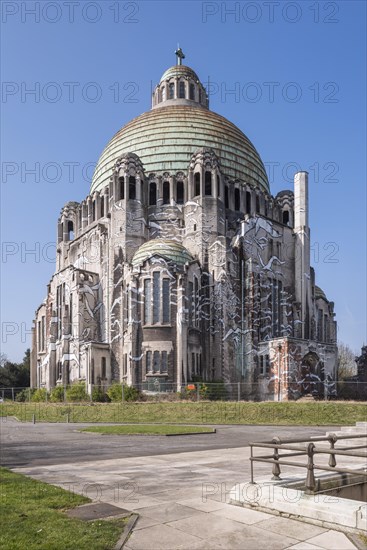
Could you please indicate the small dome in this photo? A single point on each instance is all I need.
(179, 71)
(168, 249)
(319, 293)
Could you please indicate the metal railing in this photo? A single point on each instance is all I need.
(309, 451)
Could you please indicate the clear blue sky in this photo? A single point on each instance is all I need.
(298, 69)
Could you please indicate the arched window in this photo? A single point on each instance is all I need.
(181, 89)
(257, 204)
(200, 95)
(248, 202)
(70, 231)
(237, 204)
(208, 183)
(93, 210)
(286, 217)
(121, 188)
(152, 193)
(192, 91)
(171, 91)
(197, 184)
(218, 186)
(179, 192)
(226, 197)
(166, 194)
(102, 207)
(164, 93)
(132, 187)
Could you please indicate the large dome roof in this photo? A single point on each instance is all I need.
(165, 139)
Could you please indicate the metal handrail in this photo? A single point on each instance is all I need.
(289, 445)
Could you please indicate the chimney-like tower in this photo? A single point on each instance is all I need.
(302, 250)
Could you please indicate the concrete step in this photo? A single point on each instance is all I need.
(362, 424)
(354, 429)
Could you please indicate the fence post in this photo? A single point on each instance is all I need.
(34, 418)
(238, 391)
(332, 440)
(29, 395)
(12, 394)
(276, 466)
(310, 480)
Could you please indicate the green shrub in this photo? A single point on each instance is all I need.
(77, 392)
(40, 395)
(99, 395)
(57, 394)
(25, 395)
(114, 392)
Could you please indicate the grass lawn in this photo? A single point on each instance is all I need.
(31, 517)
(147, 429)
(315, 413)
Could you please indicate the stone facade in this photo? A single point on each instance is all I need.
(182, 266)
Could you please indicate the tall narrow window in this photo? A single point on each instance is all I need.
(93, 210)
(171, 91)
(70, 231)
(165, 301)
(196, 301)
(218, 186)
(226, 197)
(192, 91)
(200, 95)
(147, 301)
(102, 207)
(156, 296)
(164, 365)
(248, 202)
(121, 188)
(180, 192)
(103, 367)
(191, 302)
(286, 217)
(164, 93)
(152, 193)
(237, 199)
(166, 197)
(39, 336)
(182, 90)
(156, 361)
(257, 204)
(197, 184)
(148, 360)
(132, 187)
(208, 183)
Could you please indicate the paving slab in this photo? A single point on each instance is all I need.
(161, 537)
(332, 540)
(242, 515)
(205, 526)
(250, 537)
(290, 527)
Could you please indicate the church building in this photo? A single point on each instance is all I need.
(181, 266)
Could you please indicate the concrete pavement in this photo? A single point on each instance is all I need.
(182, 497)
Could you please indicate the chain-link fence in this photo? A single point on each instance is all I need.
(158, 390)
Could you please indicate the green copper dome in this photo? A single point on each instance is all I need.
(166, 138)
(166, 248)
(319, 293)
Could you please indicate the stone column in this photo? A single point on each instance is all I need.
(302, 246)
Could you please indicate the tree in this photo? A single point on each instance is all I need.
(15, 375)
(346, 362)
